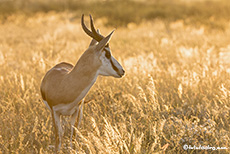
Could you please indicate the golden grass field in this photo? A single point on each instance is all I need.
(176, 90)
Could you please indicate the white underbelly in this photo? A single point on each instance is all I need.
(70, 108)
(66, 109)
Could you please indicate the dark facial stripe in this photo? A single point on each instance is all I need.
(114, 67)
(108, 55)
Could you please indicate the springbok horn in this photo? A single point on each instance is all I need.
(87, 31)
(99, 36)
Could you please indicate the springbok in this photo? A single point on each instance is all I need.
(64, 86)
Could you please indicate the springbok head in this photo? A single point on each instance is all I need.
(109, 65)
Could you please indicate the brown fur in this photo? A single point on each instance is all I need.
(64, 82)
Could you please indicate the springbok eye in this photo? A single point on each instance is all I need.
(107, 54)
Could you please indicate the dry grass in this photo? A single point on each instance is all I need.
(176, 90)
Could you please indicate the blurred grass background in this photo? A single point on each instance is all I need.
(177, 85)
(121, 12)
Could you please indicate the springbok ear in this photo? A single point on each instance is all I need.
(104, 41)
(93, 42)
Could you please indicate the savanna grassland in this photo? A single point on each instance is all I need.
(177, 85)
